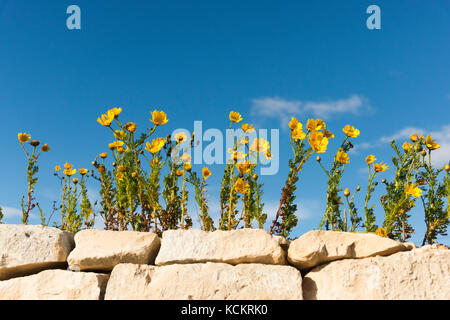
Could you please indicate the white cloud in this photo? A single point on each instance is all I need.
(404, 133)
(9, 212)
(282, 109)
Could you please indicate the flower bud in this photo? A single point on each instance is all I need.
(383, 181)
(318, 159)
(114, 164)
(35, 143)
(423, 153)
(45, 148)
(375, 183)
(447, 167)
(75, 180)
(358, 188)
(346, 192)
(101, 169)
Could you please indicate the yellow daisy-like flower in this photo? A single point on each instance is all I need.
(121, 168)
(406, 145)
(413, 190)
(370, 159)
(119, 134)
(156, 145)
(103, 155)
(206, 173)
(115, 144)
(415, 136)
(70, 172)
(179, 172)
(243, 167)
(260, 145)
(57, 168)
(130, 126)
(240, 186)
(248, 128)
(120, 176)
(24, 137)
(45, 148)
(235, 117)
(380, 167)
(298, 133)
(318, 142)
(431, 144)
(350, 131)
(106, 119)
(342, 157)
(180, 137)
(115, 111)
(121, 150)
(346, 192)
(159, 118)
(187, 167)
(75, 180)
(68, 166)
(236, 155)
(294, 124)
(315, 125)
(83, 171)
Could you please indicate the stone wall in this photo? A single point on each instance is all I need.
(248, 264)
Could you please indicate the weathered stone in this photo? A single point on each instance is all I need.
(417, 274)
(25, 249)
(318, 246)
(55, 285)
(101, 250)
(204, 281)
(233, 247)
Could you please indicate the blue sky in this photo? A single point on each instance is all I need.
(200, 60)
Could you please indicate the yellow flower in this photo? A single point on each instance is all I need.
(236, 155)
(121, 168)
(370, 159)
(318, 142)
(75, 180)
(350, 131)
(82, 171)
(431, 144)
(57, 168)
(244, 141)
(235, 117)
(130, 126)
(180, 137)
(115, 144)
(294, 124)
(248, 128)
(45, 148)
(414, 137)
(342, 157)
(381, 232)
(68, 166)
(179, 172)
(260, 145)
(106, 119)
(120, 176)
(101, 169)
(23, 137)
(121, 150)
(412, 190)
(156, 145)
(35, 143)
(315, 125)
(243, 167)
(70, 172)
(240, 186)
(380, 167)
(206, 173)
(133, 175)
(406, 146)
(115, 111)
(187, 167)
(159, 118)
(298, 133)
(268, 154)
(103, 155)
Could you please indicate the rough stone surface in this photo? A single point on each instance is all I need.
(204, 281)
(26, 249)
(417, 274)
(318, 246)
(55, 285)
(101, 250)
(233, 247)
